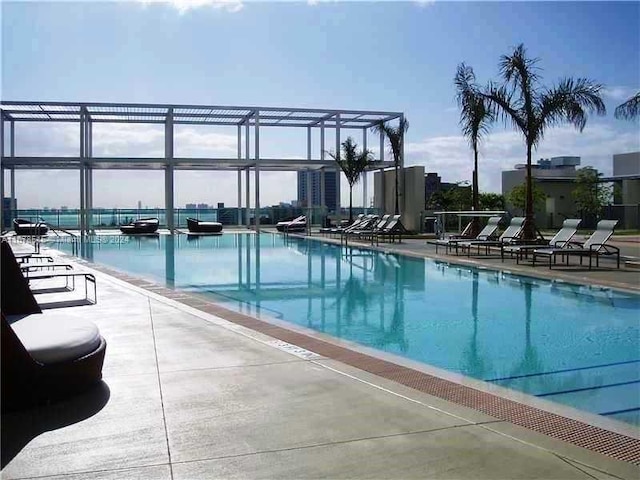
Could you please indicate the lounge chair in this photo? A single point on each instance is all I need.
(392, 230)
(141, 226)
(366, 223)
(26, 227)
(374, 227)
(48, 270)
(509, 236)
(594, 246)
(298, 224)
(339, 229)
(45, 356)
(487, 233)
(197, 226)
(559, 240)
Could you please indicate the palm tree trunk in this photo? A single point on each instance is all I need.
(397, 211)
(529, 225)
(475, 194)
(350, 204)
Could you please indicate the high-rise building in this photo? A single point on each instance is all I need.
(331, 189)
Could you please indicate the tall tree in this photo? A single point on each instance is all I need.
(517, 197)
(353, 164)
(590, 197)
(629, 109)
(532, 108)
(475, 119)
(395, 137)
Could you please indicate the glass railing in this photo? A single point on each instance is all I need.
(112, 218)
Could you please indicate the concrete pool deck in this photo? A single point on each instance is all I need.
(188, 394)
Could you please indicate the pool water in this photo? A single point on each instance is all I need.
(575, 345)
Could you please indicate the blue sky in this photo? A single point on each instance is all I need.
(396, 56)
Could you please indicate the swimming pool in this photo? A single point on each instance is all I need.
(575, 345)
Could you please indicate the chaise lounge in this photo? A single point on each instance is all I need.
(198, 226)
(559, 240)
(510, 236)
(25, 227)
(298, 224)
(594, 246)
(142, 225)
(487, 233)
(45, 355)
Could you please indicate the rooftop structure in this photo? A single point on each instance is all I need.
(250, 119)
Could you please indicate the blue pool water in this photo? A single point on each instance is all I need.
(575, 345)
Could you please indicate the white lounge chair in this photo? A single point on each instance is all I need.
(452, 242)
(594, 246)
(559, 240)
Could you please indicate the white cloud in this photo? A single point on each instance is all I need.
(449, 156)
(184, 6)
(424, 3)
(619, 93)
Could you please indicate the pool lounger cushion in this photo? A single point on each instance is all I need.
(37, 369)
(51, 340)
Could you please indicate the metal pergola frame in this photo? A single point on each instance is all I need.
(87, 114)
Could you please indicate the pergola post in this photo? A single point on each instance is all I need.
(383, 183)
(88, 145)
(247, 195)
(239, 176)
(364, 174)
(83, 177)
(309, 183)
(338, 212)
(323, 200)
(256, 180)
(12, 153)
(168, 173)
(401, 167)
(247, 172)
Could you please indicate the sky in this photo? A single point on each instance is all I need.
(390, 56)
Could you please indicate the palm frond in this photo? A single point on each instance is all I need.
(569, 101)
(501, 103)
(475, 115)
(351, 162)
(394, 135)
(518, 70)
(629, 109)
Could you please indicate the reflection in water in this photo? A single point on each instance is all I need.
(534, 336)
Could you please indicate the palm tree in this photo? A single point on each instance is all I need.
(629, 109)
(352, 164)
(395, 137)
(532, 108)
(475, 119)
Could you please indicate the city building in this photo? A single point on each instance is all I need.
(190, 206)
(626, 176)
(331, 189)
(556, 178)
(433, 183)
